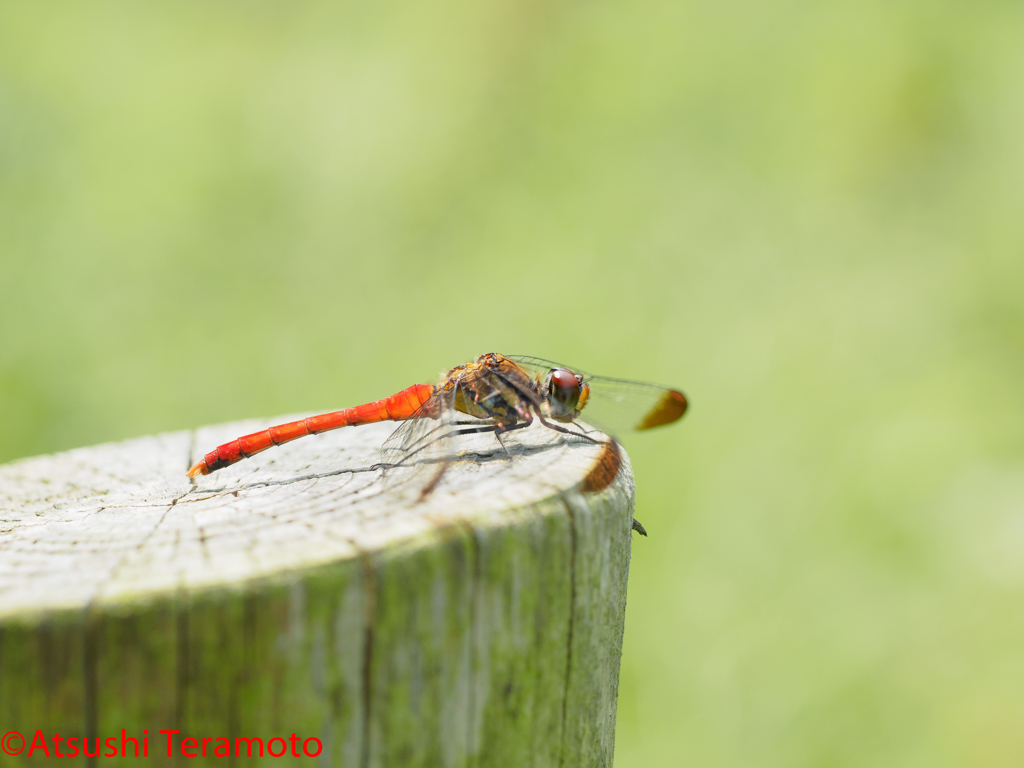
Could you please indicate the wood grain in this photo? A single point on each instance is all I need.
(299, 592)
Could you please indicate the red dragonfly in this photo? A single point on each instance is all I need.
(494, 394)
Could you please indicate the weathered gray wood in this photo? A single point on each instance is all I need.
(296, 593)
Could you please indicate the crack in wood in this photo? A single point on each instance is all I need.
(181, 676)
(369, 591)
(474, 618)
(572, 621)
(89, 684)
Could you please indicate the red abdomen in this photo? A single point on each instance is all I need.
(397, 407)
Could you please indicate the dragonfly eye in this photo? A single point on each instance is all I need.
(564, 390)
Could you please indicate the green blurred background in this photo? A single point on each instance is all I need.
(806, 215)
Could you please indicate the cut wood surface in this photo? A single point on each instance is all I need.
(298, 592)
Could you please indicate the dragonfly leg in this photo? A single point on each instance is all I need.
(432, 431)
(503, 429)
(451, 433)
(565, 431)
(418, 443)
(497, 436)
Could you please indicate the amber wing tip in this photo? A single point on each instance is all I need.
(199, 469)
(680, 398)
(671, 407)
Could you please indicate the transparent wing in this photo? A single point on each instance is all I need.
(417, 434)
(437, 433)
(540, 366)
(618, 405)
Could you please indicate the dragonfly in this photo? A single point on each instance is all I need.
(496, 394)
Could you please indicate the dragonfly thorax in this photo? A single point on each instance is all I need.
(492, 387)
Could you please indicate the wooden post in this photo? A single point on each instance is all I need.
(297, 593)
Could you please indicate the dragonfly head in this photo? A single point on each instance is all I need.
(567, 394)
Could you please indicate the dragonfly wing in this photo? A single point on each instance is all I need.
(413, 436)
(539, 366)
(436, 432)
(618, 405)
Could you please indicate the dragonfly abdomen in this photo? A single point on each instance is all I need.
(397, 407)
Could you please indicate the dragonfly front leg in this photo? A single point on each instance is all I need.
(502, 429)
(565, 431)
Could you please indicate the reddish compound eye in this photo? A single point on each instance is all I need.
(565, 391)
